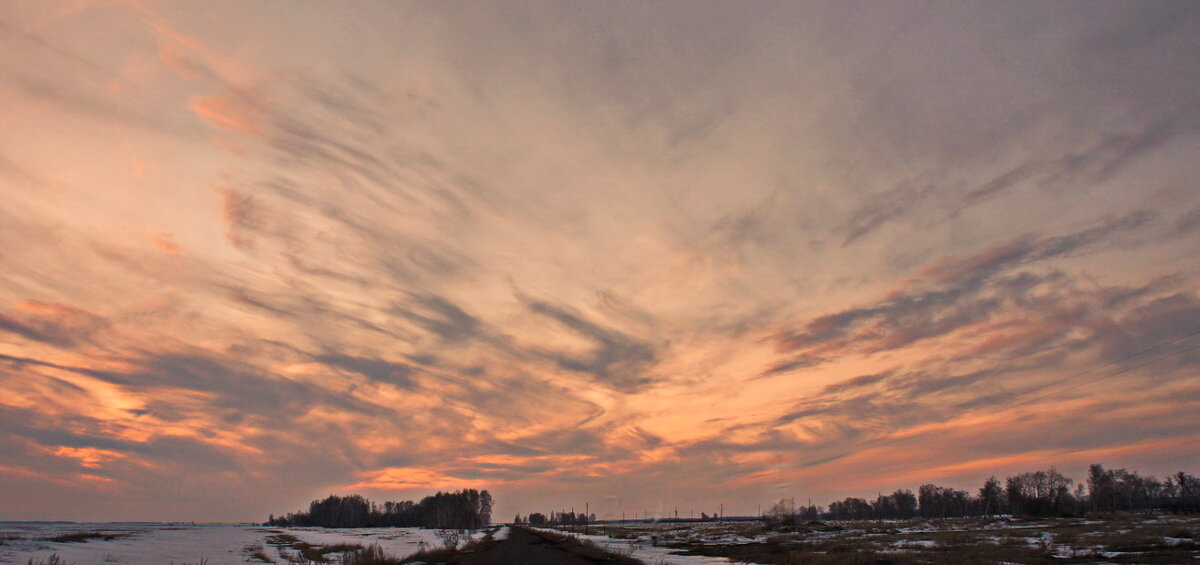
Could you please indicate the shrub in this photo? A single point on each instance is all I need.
(54, 559)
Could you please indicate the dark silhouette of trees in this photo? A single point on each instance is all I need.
(569, 518)
(943, 502)
(991, 498)
(1118, 490)
(851, 509)
(1183, 494)
(905, 503)
(464, 509)
(785, 515)
(1040, 493)
(1037, 493)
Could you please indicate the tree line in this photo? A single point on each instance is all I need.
(1037, 493)
(555, 518)
(464, 509)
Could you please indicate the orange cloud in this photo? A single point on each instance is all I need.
(229, 112)
(165, 242)
(94, 478)
(90, 457)
(504, 460)
(402, 478)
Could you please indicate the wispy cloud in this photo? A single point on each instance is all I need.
(573, 251)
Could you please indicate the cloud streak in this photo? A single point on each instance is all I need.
(585, 252)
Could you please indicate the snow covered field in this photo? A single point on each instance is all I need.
(1124, 538)
(191, 544)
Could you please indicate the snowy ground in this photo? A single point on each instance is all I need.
(180, 545)
(644, 550)
(1136, 538)
(1140, 538)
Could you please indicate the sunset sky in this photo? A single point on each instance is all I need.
(637, 255)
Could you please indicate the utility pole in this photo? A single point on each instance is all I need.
(722, 510)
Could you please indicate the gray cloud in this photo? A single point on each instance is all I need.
(444, 318)
(885, 207)
(935, 389)
(1157, 320)
(1137, 55)
(856, 382)
(379, 370)
(1073, 169)
(957, 298)
(1188, 222)
(618, 360)
(801, 362)
(58, 325)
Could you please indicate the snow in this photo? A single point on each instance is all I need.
(218, 544)
(397, 542)
(915, 543)
(500, 533)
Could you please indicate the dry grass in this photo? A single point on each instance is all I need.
(84, 537)
(449, 555)
(586, 549)
(54, 559)
(1114, 539)
(256, 552)
(370, 555)
(308, 553)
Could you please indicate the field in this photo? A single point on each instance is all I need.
(1122, 539)
(87, 544)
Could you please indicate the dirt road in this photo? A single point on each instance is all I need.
(536, 548)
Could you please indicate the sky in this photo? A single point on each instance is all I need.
(636, 256)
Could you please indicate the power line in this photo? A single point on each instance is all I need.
(1098, 379)
(1108, 364)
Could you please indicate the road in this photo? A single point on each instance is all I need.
(535, 548)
